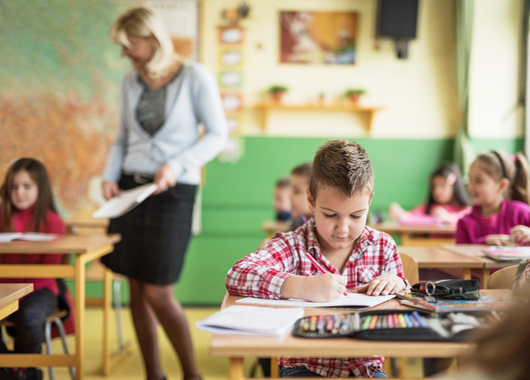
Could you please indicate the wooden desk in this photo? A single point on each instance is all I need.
(84, 249)
(474, 251)
(236, 347)
(406, 233)
(272, 226)
(9, 296)
(437, 258)
(92, 225)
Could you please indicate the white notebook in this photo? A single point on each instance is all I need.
(29, 236)
(253, 320)
(125, 202)
(352, 300)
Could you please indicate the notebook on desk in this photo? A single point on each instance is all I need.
(420, 220)
(507, 253)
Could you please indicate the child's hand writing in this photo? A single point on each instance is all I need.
(321, 288)
(382, 285)
(521, 234)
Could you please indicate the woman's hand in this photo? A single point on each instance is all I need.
(395, 212)
(521, 234)
(165, 178)
(110, 189)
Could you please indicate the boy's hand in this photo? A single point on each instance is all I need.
(521, 234)
(499, 239)
(382, 285)
(320, 288)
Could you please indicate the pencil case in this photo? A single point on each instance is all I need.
(448, 289)
(401, 325)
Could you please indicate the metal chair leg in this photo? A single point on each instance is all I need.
(62, 334)
(117, 308)
(48, 341)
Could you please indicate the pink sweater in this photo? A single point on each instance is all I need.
(473, 228)
(55, 226)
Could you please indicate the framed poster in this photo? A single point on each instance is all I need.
(318, 37)
(232, 101)
(231, 35)
(230, 79)
(231, 57)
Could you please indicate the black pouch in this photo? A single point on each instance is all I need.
(448, 289)
(443, 327)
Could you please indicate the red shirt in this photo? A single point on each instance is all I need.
(262, 273)
(21, 221)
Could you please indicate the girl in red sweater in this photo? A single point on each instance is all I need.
(27, 205)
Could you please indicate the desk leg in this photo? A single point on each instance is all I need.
(466, 273)
(107, 297)
(235, 369)
(485, 277)
(79, 315)
(405, 239)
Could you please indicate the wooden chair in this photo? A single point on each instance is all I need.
(410, 268)
(502, 279)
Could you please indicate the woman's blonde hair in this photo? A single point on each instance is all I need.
(144, 22)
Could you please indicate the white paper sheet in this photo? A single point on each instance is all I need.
(253, 320)
(353, 299)
(29, 236)
(124, 203)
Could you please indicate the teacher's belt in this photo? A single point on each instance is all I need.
(140, 178)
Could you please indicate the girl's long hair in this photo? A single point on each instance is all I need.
(460, 195)
(38, 173)
(499, 165)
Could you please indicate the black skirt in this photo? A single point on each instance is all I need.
(155, 235)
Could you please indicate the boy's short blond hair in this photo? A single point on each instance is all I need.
(344, 166)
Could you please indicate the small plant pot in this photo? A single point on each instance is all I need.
(354, 98)
(277, 96)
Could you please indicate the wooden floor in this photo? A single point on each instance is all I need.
(131, 367)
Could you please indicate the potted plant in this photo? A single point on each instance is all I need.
(354, 94)
(277, 92)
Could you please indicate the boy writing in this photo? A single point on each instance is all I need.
(356, 257)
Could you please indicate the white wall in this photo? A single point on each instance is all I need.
(493, 111)
(419, 93)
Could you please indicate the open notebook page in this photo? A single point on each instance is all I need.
(352, 300)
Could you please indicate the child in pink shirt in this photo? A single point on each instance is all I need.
(448, 200)
(499, 188)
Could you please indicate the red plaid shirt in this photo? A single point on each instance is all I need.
(262, 273)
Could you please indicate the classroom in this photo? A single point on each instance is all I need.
(453, 90)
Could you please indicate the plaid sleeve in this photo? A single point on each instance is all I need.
(262, 273)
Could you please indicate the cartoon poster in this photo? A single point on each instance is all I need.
(318, 37)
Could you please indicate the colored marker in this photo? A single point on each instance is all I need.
(305, 325)
(384, 324)
(402, 322)
(373, 322)
(319, 267)
(396, 321)
(379, 322)
(313, 323)
(338, 321)
(408, 321)
(390, 321)
(418, 318)
(366, 322)
(320, 323)
(344, 326)
(330, 323)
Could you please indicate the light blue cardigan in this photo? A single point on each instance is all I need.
(192, 98)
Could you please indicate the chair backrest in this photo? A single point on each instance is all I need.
(502, 279)
(410, 268)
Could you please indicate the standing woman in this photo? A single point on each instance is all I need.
(163, 101)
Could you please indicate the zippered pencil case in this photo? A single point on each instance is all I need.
(401, 325)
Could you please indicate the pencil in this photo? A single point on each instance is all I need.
(318, 266)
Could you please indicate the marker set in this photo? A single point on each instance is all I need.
(405, 325)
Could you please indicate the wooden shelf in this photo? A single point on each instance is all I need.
(267, 107)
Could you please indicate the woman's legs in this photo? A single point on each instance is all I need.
(156, 303)
(171, 315)
(145, 324)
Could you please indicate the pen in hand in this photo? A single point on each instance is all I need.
(319, 267)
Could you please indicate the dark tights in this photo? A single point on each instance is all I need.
(29, 321)
(156, 303)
